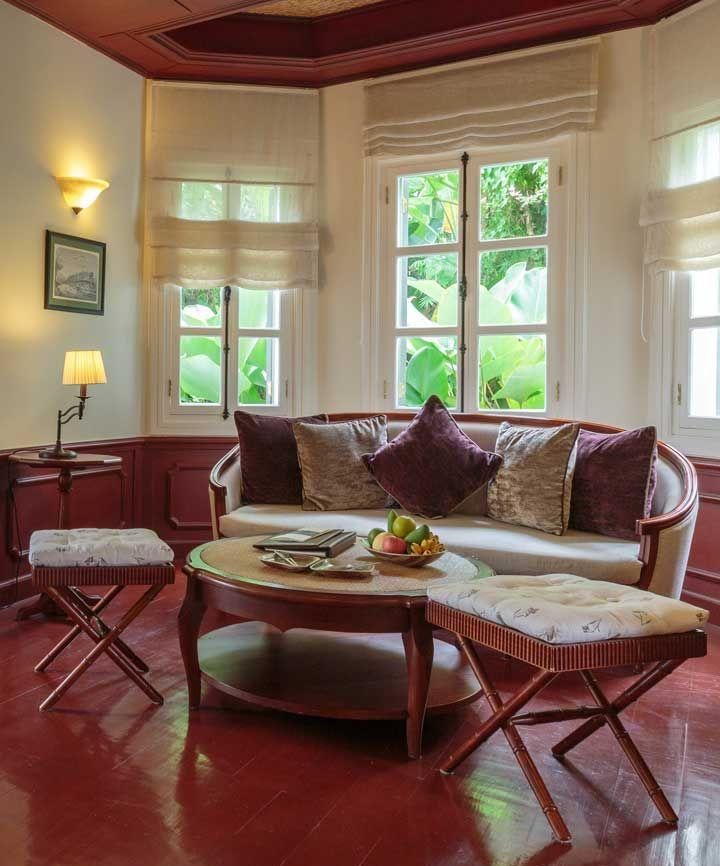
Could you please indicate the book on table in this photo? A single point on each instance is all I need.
(326, 542)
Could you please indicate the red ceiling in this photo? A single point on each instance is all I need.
(224, 40)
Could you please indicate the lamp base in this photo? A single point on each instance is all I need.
(58, 453)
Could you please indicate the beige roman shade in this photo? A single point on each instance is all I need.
(496, 100)
(681, 211)
(233, 140)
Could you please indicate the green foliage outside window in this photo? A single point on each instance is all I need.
(512, 290)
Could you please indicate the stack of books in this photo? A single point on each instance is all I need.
(326, 542)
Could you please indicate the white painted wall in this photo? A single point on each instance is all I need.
(66, 109)
(616, 357)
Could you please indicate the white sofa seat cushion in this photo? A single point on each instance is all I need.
(506, 548)
(63, 548)
(566, 608)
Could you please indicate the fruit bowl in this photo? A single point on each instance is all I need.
(409, 560)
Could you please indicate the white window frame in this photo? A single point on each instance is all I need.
(567, 268)
(693, 435)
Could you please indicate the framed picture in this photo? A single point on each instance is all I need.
(74, 274)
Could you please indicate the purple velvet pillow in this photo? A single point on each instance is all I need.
(614, 482)
(269, 458)
(432, 466)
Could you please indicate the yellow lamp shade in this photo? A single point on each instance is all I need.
(84, 368)
(81, 192)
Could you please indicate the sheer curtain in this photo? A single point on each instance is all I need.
(496, 100)
(251, 157)
(681, 211)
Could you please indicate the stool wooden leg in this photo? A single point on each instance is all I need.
(103, 644)
(91, 613)
(657, 795)
(655, 675)
(76, 630)
(515, 741)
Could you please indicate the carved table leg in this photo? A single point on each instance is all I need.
(189, 620)
(418, 641)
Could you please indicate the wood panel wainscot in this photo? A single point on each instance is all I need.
(29, 499)
(162, 483)
(702, 583)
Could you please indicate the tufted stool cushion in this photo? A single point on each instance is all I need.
(567, 609)
(69, 548)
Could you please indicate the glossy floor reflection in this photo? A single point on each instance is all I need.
(108, 780)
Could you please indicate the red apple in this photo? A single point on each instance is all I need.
(393, 544)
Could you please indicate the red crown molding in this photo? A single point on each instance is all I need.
(392, 36)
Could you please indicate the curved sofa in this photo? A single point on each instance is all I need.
(656, 561)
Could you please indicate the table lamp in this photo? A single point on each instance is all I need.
(81, 368)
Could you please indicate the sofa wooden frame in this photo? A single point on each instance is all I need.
(225, 477)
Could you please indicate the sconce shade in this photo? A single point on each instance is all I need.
(81, 192)
(84, 368)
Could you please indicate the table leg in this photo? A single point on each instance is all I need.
(418, 641)
(189, 620)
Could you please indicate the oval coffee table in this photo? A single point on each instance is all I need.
(334, 651)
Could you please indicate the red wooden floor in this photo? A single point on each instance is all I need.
(108, 780)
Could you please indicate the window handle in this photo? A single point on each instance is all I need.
(678, 394)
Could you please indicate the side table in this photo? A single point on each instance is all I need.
(44, 604)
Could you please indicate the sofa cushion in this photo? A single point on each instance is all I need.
(334, 477)
(566, 608)
(614, 481)
(268, 457)
(506, 548)
(532, 487)
(432, 466)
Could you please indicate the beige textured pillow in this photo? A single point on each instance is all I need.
(334, 477)
(533, 485)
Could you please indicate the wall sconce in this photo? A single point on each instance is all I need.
(80, 192)
(81, 368)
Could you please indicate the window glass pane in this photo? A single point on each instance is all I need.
(200, 369)
(512, 371)
(258, 309)
(705, 293)
(202, 201)
(201, 308)
(428, 208)
(514, 200)
(427, 291)
(258, 371)
(256, 202)
(704, 379)
(513, 287)
(426, 366)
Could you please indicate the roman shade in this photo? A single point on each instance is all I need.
(681, 211)
(496, 100)
(229, 141)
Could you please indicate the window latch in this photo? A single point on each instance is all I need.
(678, 394)
(557, 391)
(169, 387)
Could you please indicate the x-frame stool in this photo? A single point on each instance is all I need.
(667, 652)
(60, 584)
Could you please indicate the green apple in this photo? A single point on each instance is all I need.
(371, 535)
(403, 526)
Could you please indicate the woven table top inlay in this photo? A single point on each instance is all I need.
(235, 559)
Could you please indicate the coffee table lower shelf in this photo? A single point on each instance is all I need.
(327, 674)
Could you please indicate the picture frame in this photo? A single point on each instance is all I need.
(74, 274)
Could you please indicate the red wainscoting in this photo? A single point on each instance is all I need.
(702, 584)
(163, 484)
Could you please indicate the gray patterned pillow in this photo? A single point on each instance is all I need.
(533, 485)
(334, 477)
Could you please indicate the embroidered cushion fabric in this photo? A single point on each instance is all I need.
(334, 477)
(432, 466)
(614, 482)
(565, 608)
(67, 548)
(268, 458)
(533, 485)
